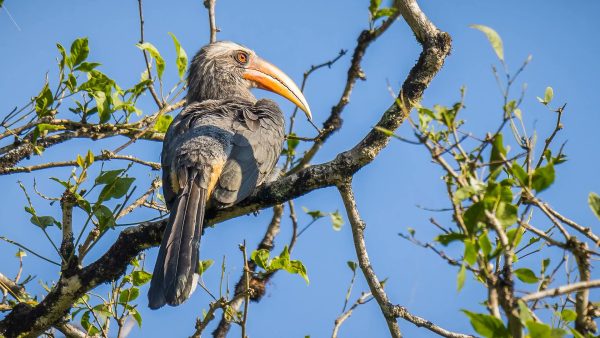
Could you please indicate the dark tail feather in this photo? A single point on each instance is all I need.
(173, 279)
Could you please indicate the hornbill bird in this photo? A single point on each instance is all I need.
(220, 147)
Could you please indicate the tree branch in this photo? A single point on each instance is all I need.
(210, 6)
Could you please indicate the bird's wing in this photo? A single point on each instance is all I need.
(256, 146)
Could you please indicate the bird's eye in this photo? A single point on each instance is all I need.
(241, 57)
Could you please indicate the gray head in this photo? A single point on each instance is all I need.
(226, 70)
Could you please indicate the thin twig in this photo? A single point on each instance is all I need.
(158, 101)
(210, 6)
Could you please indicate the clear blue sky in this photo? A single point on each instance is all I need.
(563, 39)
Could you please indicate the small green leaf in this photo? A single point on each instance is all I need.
(543, 177)
(20, 254)
(486, 325)
(87, 66)
(506, 213)
(109, 176)
(526, 275)
(485, 244)
(336, 220)
(373, 7)
(384, 12)
(204, 265)
(182, 58)
(541, 330)
(79, 51)
(117, 189)
(43, 221)
(43, 101)
(89, 328)
(470, 254)
(141, 277)
(128, 295)
(493, 38)
(446, 239)
(568, 315)
(497, 155)
(460, 278)
(524, 312)
(548, 95)
(352, 265)
(261, 258)
(297, 267)
(160, 62)
(315, 214)
(163, 123)
(136, 315)
(594, 203)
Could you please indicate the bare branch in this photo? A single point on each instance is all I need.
(561, 290)
(210, 6)
(364, 298)
(158, 101)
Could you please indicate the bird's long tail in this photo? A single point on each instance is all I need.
(173, 280)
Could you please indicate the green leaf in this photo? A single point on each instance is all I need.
(63, 54)
(20, 254)
(463, 193)
(373, 7)
(182, 58)
(160, 62)
(486, 325)
(384, 12)
(89, 328)
(543, 177)
(524, 312)
(526, 275)
(79, 51)
(352, 265)
(568, 315)
(548, 95)
(497, 155)
(336, 220)
(129, 295)
(43, 221)
(470, 254)
(105, 217)
(519, 173)
(117, 189)
(43, 101)
(297, 267)
(141, 277)
(594, 203)
(87, 66)
(460, 278)
(474, 214)
(136, 315)
(109, 176)
(485, 244)
(493, 38)
(261, 258)
(163, 123)
(506, 213)
(204, 265)
(446, 239)
(541, 330)
(315, 214)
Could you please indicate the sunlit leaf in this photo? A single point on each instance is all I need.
(493, 38)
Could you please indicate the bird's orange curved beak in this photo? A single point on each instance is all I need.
(267, 76)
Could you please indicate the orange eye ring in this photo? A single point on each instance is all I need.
(242, 57)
